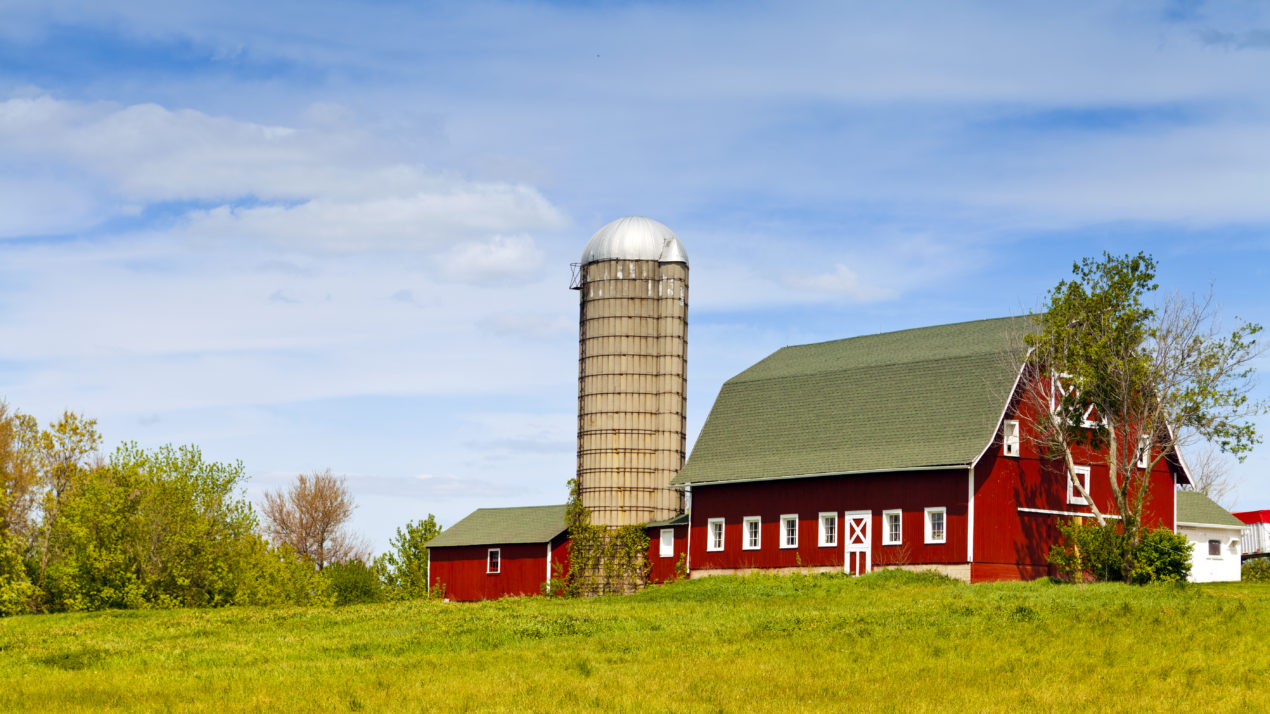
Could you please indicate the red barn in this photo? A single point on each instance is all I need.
(900, 449)
(499, 552)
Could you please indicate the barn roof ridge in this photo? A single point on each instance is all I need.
(912, 399)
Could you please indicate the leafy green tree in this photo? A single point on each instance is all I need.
(353, 582)
(1134, 381)
(160, 528)
(404, 568)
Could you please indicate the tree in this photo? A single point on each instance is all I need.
(160, 528)
(1134, 382)
(404, 568)
(310, 517)
(1210, 469)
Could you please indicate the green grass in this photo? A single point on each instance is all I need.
(888, 641)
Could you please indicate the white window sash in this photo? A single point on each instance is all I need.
(828, 527)
(886, 527)
(942, 536)
(786, 541)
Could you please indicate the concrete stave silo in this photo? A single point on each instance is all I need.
(632, 372)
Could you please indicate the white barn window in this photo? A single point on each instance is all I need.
(936, 530)
(1010, 438)
(892, 527)
(1073, 495)
(751, 533)
(828, 529)
(493, 561)
(666, 548)
(789, 530)
(714, 534)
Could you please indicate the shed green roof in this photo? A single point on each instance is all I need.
(919, 398)
(1195, 507)
(497, 526)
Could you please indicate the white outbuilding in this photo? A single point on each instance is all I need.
(1214, 535)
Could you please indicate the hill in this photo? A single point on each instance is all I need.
(801, 643)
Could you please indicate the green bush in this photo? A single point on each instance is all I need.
(16, 591)
(353, 582)
(1162, 556)
(1256, 570)
(1106, 554)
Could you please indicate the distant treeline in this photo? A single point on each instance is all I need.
(163, 528)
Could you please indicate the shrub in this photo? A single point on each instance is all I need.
(1105, 553)
(1256, 570)
(1162, 556)
(1098, 552)
(353, 582)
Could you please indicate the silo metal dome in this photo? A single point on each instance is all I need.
(635, 238)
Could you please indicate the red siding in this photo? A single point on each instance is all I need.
(911, 491)
(663, 569)
(522, 571)
(1009, 543)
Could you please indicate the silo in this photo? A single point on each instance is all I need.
(632, 371)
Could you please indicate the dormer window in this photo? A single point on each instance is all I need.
(1144, 451)
(1010, 438)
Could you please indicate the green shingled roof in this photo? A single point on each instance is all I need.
(901, 400)
(1195, 507)
(495, 526)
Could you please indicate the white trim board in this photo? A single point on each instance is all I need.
(1048, 512)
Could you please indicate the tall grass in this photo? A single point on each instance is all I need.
(890, 641)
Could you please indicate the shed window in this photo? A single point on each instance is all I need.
(828, 529)
(1073, 496)
(666, 548)
(751, 526)
(714, 534)
(936, 532)
(1214, 548)
(789, 530)
(1010, 439)
(492, 561)
(892, 527)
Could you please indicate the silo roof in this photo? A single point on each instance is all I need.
(635, 238)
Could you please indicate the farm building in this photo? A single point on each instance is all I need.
(499, 552)
(1256, 532)
(904, 449)
(1214, 536)
(900, 449)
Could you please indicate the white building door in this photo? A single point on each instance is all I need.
(858, 537)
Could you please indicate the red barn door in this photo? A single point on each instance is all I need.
(858, 530)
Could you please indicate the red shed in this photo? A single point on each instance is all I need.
(887, 450)
(499, 552)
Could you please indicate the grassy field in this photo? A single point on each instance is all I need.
(887, 641)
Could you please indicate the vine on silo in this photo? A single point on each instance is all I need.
(602, 559)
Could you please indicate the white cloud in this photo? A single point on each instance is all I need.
(318, 189)
(499, 259)
(841, 281)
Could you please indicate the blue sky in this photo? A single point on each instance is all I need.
(315, 235)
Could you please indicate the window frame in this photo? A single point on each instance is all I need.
(1144, 451)
(758, 533)
(1073, 497)
(943, 519)
(886, 526)
(785, 519)
(1214, 544)
(664, 549)
(494, 561)
(710, 523)
(1010, 438)
(820, 529)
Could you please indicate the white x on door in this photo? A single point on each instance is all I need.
(858, 532)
